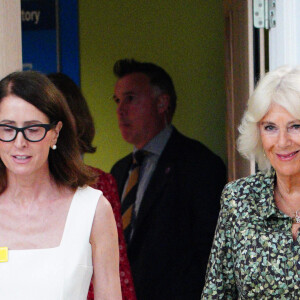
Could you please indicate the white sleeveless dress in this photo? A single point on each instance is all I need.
(60, 273)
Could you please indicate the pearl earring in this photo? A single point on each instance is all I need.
(54, 147)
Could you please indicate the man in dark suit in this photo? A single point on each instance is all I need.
(176, 200)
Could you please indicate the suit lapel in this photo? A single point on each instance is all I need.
(162, 175)
(157, 185)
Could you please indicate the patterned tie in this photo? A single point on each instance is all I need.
(129, 196)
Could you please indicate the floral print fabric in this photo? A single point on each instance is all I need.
(254, 255)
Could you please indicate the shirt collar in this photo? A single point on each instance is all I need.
(266, 202)
(158, 143)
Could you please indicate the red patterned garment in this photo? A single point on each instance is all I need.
(107, 184)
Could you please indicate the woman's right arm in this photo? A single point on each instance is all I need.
(220, 279)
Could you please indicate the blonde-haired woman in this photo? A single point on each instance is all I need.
(256, 248)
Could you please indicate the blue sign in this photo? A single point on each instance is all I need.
(49, 27)
(38, 15)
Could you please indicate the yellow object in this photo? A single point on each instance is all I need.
(3, 254)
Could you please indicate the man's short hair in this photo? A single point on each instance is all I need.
(157, 75)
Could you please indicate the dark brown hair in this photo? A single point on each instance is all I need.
(85, 128)
(65, 163)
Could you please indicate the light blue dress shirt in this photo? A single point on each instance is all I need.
(154, 147)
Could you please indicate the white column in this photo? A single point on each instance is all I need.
(284, 39)
(10, 37)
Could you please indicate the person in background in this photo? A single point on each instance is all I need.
(55, 230)
(255, 253)
(85, 132)
(170, 187)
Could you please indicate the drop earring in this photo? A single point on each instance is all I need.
(54, 147)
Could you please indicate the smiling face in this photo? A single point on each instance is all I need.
(140, 109)
(20, 156)
(280, 136)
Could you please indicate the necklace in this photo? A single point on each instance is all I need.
(296, 215)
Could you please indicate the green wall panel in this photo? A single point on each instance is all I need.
(184, 37)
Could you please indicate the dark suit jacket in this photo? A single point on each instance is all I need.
(174, 229)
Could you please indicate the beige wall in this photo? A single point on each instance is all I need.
(184, 37)
(10, 37)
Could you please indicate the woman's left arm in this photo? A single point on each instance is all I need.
(104, 241)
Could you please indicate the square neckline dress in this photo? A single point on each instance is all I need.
(59, 273)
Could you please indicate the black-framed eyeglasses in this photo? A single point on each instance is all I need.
(32, 133)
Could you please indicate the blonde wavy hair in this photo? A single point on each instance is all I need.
(281, 86)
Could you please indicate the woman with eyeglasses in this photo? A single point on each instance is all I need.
(55, 231)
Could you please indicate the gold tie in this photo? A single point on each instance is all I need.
(132, 181)
(130, 193)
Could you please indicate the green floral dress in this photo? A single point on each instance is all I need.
(253, 254)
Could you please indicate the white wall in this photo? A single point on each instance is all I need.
(284, 39)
